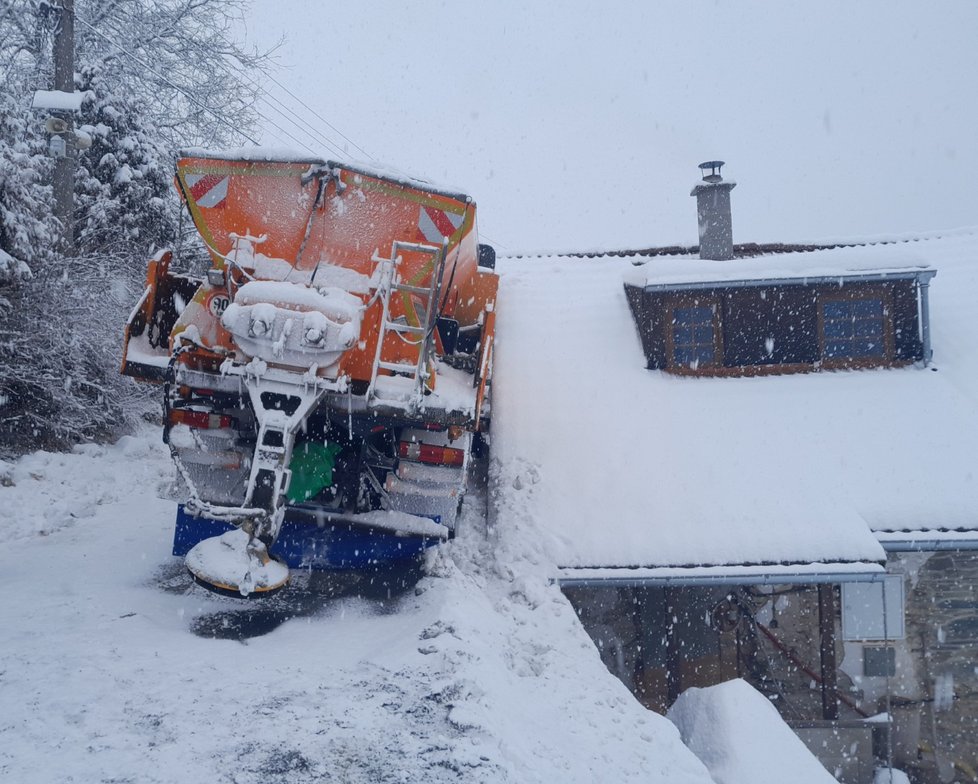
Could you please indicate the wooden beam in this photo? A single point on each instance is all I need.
(826, 633)
(673, 654)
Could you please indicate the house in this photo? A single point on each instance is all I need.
(764, 467)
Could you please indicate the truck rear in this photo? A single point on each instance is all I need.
(324, 384)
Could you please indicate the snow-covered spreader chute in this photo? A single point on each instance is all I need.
(324, 384)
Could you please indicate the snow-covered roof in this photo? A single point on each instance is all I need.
(643, 469)
(874, 261)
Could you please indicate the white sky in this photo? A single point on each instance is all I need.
(580, 124)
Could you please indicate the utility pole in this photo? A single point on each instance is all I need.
(64, 166)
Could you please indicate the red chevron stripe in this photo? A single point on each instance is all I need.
(204, 184)
(441, 221)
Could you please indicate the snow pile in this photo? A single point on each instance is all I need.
(117, 667)
(742, 739)
(60, 100)
(45, 492)
(890, 776)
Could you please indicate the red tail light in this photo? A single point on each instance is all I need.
(203, 420)
(433, 455)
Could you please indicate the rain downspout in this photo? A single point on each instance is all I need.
(923, 286)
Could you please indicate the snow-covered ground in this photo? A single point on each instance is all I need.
(114, 667)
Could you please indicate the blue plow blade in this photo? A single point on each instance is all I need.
(305, 544)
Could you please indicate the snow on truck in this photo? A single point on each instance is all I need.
(324, 384)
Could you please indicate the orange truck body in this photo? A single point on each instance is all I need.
(317, 216)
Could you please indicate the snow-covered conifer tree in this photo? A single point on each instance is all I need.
(160, 74)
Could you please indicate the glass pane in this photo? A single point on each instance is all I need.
(702, 314)
(683, 335)
(837, 310)
(867, 328)
(868, 308)
(836, 348)
(704, 334)
(838, 329)
(704, 354)
(866, 348)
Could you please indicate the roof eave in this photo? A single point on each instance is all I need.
(790, 574)
(922, 274)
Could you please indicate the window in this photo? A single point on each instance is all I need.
(879, 661)
(856, 327)
(862, 610)
(779, 327)
(853, 328)
(693, 334)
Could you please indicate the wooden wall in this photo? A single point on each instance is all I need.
(773, 328)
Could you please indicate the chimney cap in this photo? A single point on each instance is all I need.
(714, 173)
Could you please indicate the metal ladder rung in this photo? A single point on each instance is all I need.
(405, 329)
(399, 367)
(425, 290)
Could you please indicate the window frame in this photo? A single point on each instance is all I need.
(856, 597)
(857, 293)
(691, 301)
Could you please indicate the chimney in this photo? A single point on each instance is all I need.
(713, 212)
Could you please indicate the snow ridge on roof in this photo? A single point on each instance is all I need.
(836, 262)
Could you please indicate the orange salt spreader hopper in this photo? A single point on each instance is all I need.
(318, 216)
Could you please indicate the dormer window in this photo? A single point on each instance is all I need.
(694, 332)
(856, 327)
(786, 325)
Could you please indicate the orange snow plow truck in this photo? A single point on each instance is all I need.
(324, 384)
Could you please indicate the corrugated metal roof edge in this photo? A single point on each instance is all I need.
(741, 250)
(927, 540)
(739, 574)
(745, 249)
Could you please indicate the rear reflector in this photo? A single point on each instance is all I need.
(432, 455)
(203, 420)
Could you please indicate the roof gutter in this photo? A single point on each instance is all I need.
(923, 288)
(692, 581)
(922, 276)
(928, 545)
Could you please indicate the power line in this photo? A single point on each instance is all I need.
(306, 106)
(265, 117)
(176, 87)
(299, 123)
(317, 114)
(194, 100)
